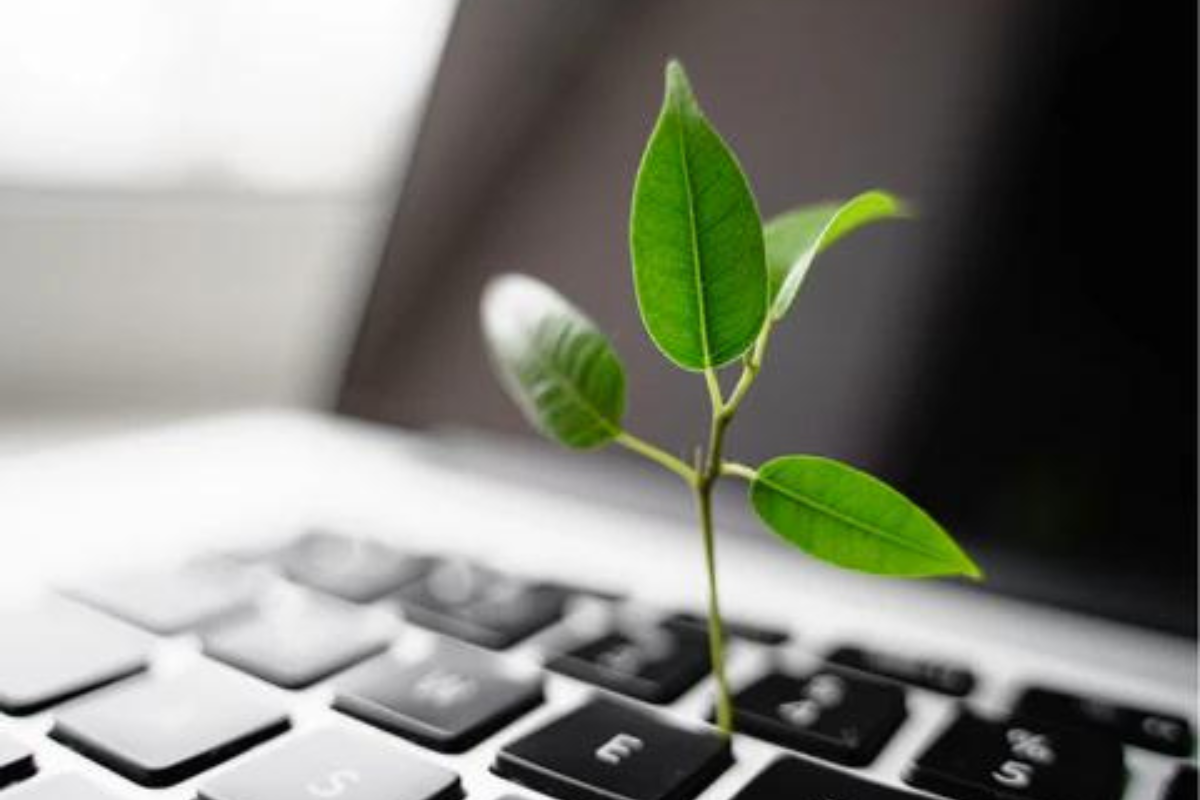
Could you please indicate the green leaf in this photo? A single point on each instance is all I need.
(795, 238)
(696, 238)
(554, 363)
(844, 516)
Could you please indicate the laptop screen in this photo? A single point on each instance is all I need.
(1022, 359)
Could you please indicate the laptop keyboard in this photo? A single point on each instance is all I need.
(245, 635)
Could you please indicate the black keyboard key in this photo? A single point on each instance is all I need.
(63, 786)
(797, 779)
(480, 606)
(16, 761)
(296, 638)
(607, 749)
(830, 714)
(157, 731)
(347, 764)
(1182, 785)
(1152, 730)
(178, 600)
(58, 650)
(938, 676)
(651, 663)
(449, 698)
(734, 629)
(355, 569)
(979, 759)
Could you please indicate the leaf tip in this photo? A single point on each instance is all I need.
(972, 570)
(677, 83)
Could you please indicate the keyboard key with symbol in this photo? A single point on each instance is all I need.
(59, 649)
(16, 761)
(734, 628)
(355, 569)
(448, 698)
(651, 663)
(296, 638)
(938, 676)
(1163, 733)
(608, 749)
(980, 759)
(159, 730)
(1182, 785)
(797, 778)
(63, 786)
(175, 601)
(347, 764)
(829, 714)
(479, 605)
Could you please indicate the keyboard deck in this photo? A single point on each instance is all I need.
(340, 667)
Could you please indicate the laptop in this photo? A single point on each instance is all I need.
(409, 598)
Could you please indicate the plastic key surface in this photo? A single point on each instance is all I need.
(830, 714)
(63, 786)
(479, 605)
(797, 779)
(937, 676)
(60, 649)
(1182, 785)
(355, 569)
(347, 764)
(159, 730)
(1152, 730)
(448, 698)
(980, 759)
(734, 628)
(16, 761)
(654, 663)
(175, 601)
(607, 749)
(296, 638)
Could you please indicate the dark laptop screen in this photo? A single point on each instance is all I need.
(1022, 359)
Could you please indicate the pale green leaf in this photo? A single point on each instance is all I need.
(696, 238)
(554, 363)
(794, 239)
(846, 517)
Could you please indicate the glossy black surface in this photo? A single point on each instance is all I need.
(938, 676)
(1153, 730)
(479, 605)
(1182, 785)
(831, 714)
(979, 759)
(447, 699)
(656, 664)
(798, 779)
(606, 749)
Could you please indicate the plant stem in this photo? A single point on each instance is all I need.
(736, 470)
(716, 625)
(657, 455)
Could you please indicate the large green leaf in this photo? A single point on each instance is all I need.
(848, 518)
(696, 238)
(553, 362)
(794, 239)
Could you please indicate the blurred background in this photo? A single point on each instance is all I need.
(193, 195)
(208, 206)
